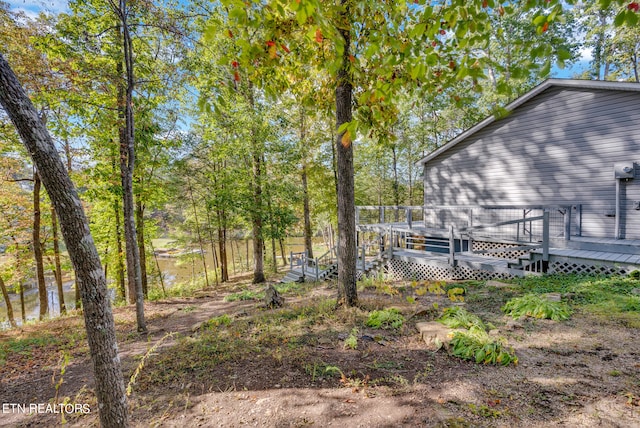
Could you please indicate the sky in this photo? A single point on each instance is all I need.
(32, 7)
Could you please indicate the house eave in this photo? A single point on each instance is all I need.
(568, 83)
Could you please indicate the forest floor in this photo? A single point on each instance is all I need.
(215, 362)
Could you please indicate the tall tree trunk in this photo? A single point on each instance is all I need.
(37, 248)
(143, 253)
(69, 159)
(347, 292)
(127, 166)
(258, 239)
(56, 258)
(101, 333)
(5, 294)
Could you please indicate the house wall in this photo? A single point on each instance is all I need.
(558, 148)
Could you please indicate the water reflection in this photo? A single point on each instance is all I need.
(173, 270)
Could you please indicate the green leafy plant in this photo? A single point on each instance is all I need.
(351, 342)
(476, 345)
(456, 294)
(385, 319)
(536, 306)
(457, 317)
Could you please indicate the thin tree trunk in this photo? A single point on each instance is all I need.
(127, 166)
(37, 248)
(247, 254)
(122, 290)
(222, 244)
(5, 294)
(56, 258)
(213, 246)
(284, 256)
(99, 323)
(347, 292)
(141, 246)
(160, 274)
(233, 257)
(200, 243)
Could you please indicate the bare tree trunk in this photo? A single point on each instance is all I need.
(127, 165)
(213, 246)
(5, 294)
(37, 248)
(56, 258)
(141, 246)
(305, 187)
(101, 333)
(347, 292)
(122, 290)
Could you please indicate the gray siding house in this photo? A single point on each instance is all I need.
(566, 142)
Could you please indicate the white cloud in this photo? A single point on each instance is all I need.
(586, 54)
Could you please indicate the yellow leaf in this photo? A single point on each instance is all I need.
(346, 139)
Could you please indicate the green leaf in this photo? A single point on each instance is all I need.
(564, 54)
(418, 30)
(620, 18)
(632, 18)
(539, 20)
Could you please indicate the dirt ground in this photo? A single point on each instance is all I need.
(584, 372)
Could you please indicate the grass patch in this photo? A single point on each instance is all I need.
(244, 295)
(532, 305)
(385, 319)
(25, 346)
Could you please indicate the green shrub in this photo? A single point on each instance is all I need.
(536, 306)
(218, 321)
(476, 345)
(386, 319)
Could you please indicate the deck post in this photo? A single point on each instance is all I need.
(290, 260)
(452, 247)
(363, 259)
(545, 240)
(357, 216)
(390, 249)
(408, 210)
(317, 271)
(567, 223)
(381, 214)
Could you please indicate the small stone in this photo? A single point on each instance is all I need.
(435, 335)
(553, 297)
(636, 291)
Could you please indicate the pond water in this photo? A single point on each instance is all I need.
(172, 269)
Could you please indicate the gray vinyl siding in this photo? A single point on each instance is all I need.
(558, 148)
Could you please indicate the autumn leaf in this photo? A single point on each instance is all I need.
(285, 48)
(545, 27)
(271, 43)
(236, 76)
(272, 51)
(230, 34)
(634, 6)
(319, 37)
(346, 139)
(235, 64)
(352, 58)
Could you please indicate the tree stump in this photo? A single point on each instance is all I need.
(272, 298)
